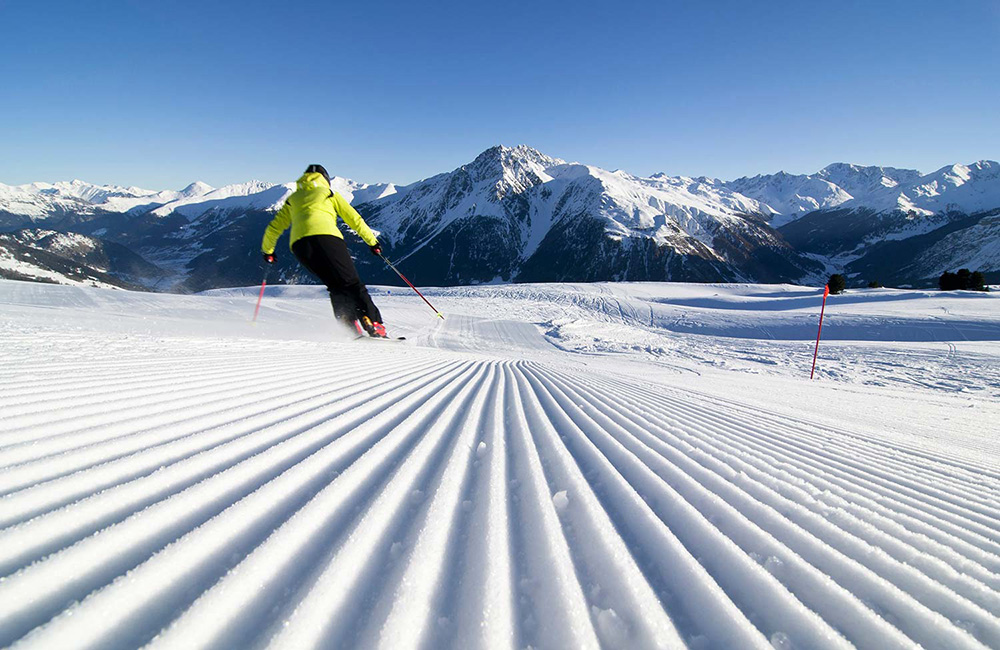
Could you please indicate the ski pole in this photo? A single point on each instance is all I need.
(393, 267)
(826, 292)
(261, 296)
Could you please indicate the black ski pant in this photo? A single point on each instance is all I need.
(326, 257)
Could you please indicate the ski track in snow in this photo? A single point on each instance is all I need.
(468, 488)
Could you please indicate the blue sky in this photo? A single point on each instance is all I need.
(159, 94)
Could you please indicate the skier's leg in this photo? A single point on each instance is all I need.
(312, 254)
(347, 274)
(327, 257)
(344, 308)
(367, 306)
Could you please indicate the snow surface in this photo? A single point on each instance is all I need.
(254, 194)
(553, 466)
(685, 214)
(25, 269)
(41, 200)
(952, 252)
(639, 203)
(954, 188)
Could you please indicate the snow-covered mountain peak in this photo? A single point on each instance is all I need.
(244, 189)
(986, 168)
(956, 175)
(983, 171)
(531, 215)
(514, 168)
(521, 154)
(516, 213)
(788, 196)
(357, 193)
(252, 194)
(40, 200)
(93, 194)
(953, 188)
(859, 181)
(663, 206)
(197, 188)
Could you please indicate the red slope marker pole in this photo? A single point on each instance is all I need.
(261, 296)
(391, 266)
(826, 292)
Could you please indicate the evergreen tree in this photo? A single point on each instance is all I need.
(837, 283)
(964, 279)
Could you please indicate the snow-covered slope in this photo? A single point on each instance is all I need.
(952, 251)
(955, 188)
(358, 193)
(257, 195)
(787, 196)
(848, 215)
(189, 233)
(660, 207)
(515, 213)
(551, 466)
(39, 201)
(251, 195)
(71, 258)
(860, 181)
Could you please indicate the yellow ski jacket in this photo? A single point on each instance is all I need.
(312, 209)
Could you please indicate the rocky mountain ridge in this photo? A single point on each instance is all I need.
(514, 214)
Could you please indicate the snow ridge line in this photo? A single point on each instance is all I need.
(942, 600)
(936, 560)
(79, 401)
(126, 361)
(481, 571)
(196, 540)
(830, 495)
(612, 514)
(137, 398)
(62, 525)
(983, 474)
(340, 527)
(131, 373)
(775, 453)
(422, 529)
(971, 525)
(171, 434)
(596, 529)
(698, 538)
(98, 423)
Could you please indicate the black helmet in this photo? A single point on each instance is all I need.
(318, 169)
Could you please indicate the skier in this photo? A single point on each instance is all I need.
(312, 210)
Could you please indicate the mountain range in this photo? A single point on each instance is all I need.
(518, 215)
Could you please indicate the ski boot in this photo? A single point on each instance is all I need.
(375, 330)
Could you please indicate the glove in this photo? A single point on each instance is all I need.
(269, 257)
(376, 248)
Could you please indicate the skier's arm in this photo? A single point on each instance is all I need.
(278, 225)
(353, 219)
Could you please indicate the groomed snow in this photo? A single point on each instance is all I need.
(553, 466)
